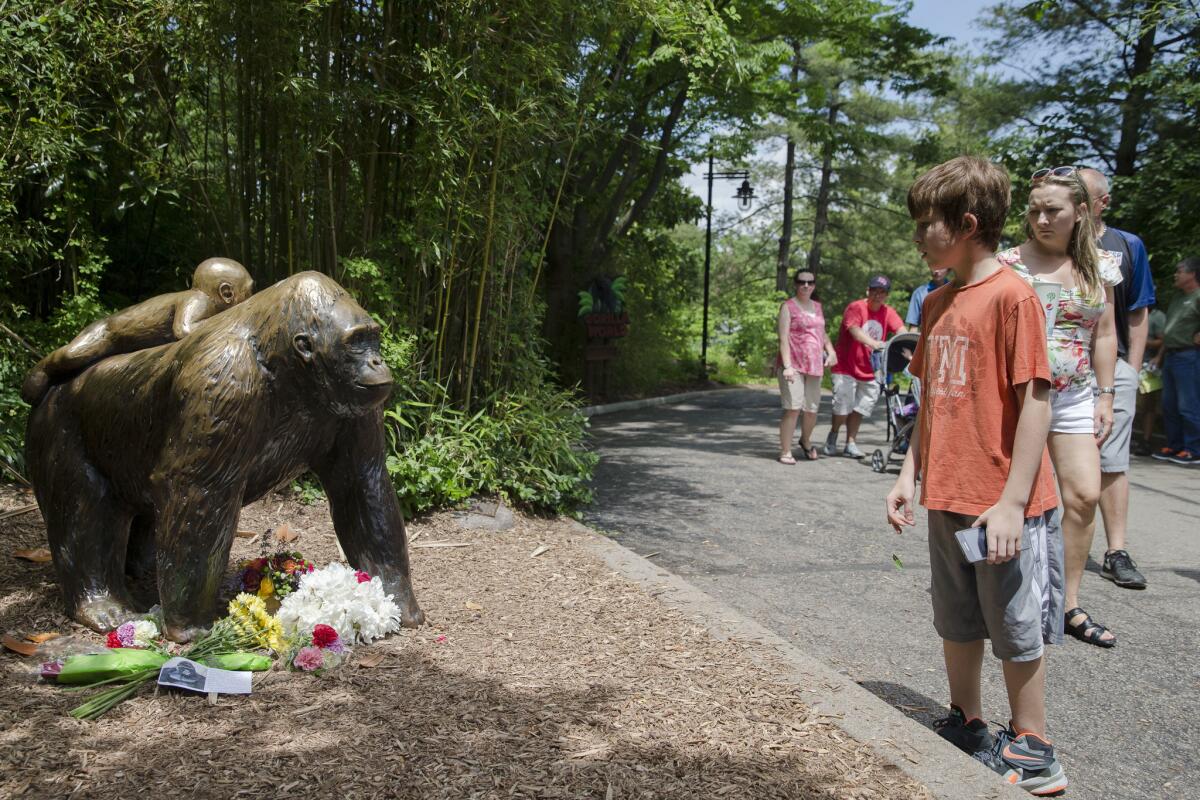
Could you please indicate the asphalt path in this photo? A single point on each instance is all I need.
(804, 550)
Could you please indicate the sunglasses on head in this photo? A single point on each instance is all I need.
(1046, 172)
(805, 283)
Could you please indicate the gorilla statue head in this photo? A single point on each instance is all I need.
(339, 354)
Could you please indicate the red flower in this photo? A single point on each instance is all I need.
(323, 636)
(251, 578)
(362, 576)
(113, 640)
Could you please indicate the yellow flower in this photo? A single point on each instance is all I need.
(276, 641)
(266, 588)
(249, 614)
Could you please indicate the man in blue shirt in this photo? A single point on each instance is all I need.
(1132, 298)
(913, 318)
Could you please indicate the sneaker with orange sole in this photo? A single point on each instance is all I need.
(1026, 761)
(969, 735)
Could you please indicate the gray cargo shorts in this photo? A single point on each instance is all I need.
(1018, 604)
(1114, 453)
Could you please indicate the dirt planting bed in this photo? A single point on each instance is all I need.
(539, 676)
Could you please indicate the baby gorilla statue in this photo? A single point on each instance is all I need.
(218, 284)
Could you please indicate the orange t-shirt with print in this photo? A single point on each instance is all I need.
(979, 342)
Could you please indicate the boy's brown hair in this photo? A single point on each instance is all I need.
(964, 185)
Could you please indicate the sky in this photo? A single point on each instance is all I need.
(952, 18)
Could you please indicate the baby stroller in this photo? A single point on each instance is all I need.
(901, 404)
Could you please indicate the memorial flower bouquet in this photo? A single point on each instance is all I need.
(248, 614)
(273, 576)
(134, 635)
(127, 668)
(324, 650)
(349, 601)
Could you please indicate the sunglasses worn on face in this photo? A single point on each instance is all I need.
(806, 283)
(1046, 172)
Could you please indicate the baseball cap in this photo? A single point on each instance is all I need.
(880, 282)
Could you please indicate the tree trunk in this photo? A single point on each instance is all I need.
(821, 217)
(783, 261)
(1135, 97)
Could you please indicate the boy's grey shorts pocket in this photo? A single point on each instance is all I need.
(1018, 604)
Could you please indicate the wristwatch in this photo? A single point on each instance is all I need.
(1107, 390)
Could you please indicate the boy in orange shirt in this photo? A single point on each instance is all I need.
(980, 448)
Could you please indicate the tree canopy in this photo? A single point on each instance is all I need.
(466, 167)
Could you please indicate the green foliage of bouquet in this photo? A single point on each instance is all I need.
(136, 654)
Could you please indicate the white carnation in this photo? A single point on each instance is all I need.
(333, 596)
(145, 633)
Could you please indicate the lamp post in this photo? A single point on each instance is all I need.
(745, 198)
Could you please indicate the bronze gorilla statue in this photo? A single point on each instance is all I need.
(157, 451)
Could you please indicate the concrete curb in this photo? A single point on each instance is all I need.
(896, 739)
(648, 402)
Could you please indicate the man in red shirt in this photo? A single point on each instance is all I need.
(865, 326)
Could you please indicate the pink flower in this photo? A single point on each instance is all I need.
(309, 658)
(125, 633)
(441, 639)
(362, 576)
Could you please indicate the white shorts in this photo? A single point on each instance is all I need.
(1073, 411)
(801, 394)
(850, 394)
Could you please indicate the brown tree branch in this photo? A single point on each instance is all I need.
(640, 205)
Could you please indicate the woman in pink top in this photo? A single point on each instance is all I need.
(804, 352)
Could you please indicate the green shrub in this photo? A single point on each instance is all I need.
(661, 269)
(754, 342)
(540, 460)
(438, 454)
(525, 446)
(13, 365)
(75, 311)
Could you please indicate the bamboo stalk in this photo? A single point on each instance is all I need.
(32, 351)
(10, 469)
(537, 272)
(444, 323)
(485, 264)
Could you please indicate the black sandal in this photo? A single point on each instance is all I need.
(1087, 629)
(810, 451)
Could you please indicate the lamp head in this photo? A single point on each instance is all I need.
(745, 195)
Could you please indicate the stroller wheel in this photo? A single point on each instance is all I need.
(878, 461)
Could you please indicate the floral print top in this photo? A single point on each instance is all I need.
(1070, 343)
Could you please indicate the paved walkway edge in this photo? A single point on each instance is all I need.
(647, 402)
(898, 740)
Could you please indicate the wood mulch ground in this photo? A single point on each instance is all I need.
(541, 676)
